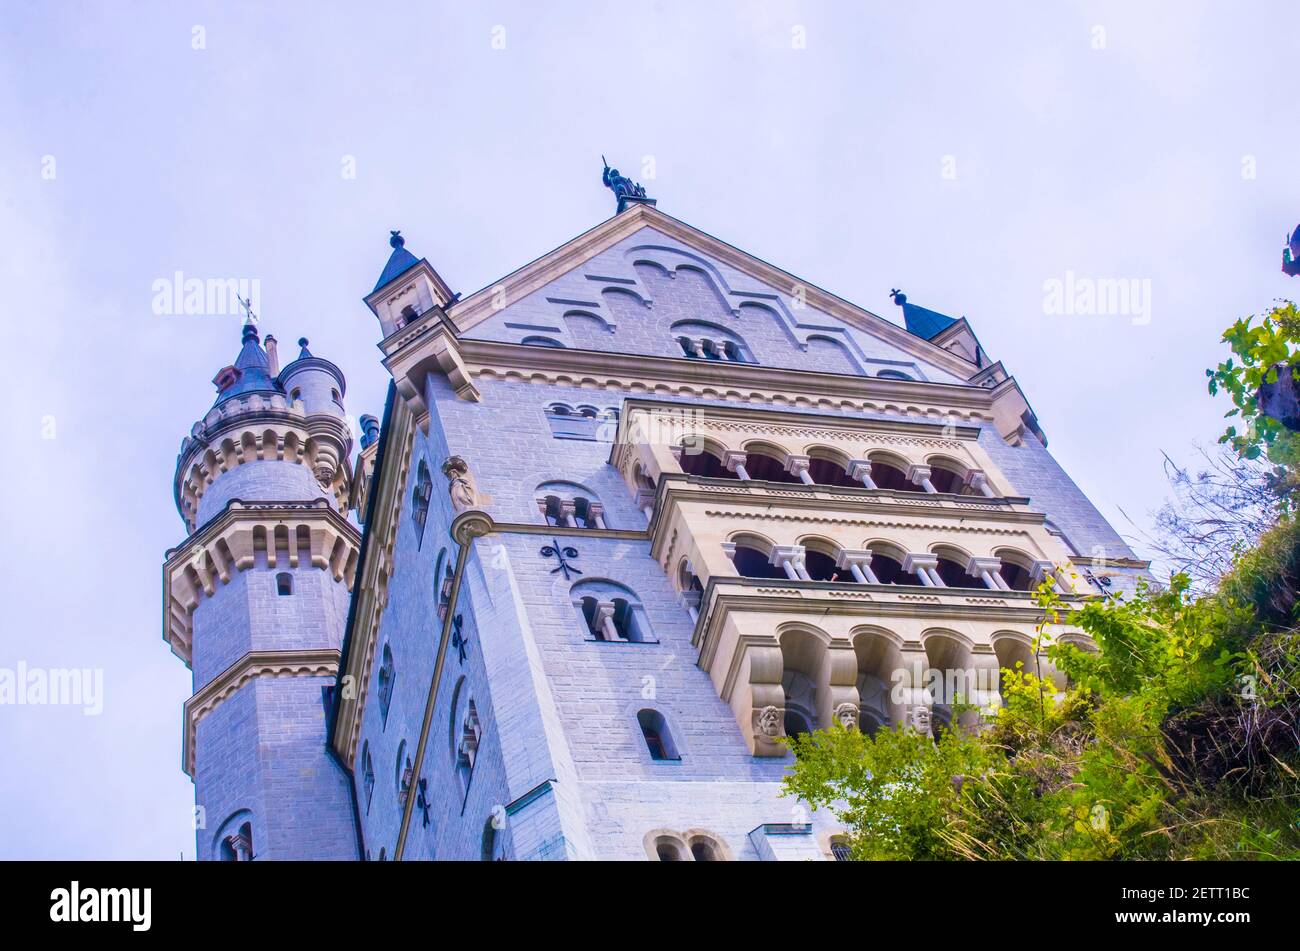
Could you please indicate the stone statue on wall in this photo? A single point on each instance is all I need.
(460, 484)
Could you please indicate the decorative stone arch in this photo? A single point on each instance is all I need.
(233, 841)
(818, 679)
(540, 340)
(610, 611)
(829, 466)
(821, 558)
(704, 456)
(1017, 568)
(698, 840)
(752, 554)
(877, 652)
(770, 462)
(666, 845)
(836, 351)
(1012, 647)
(954, 566)
(887, 559)
(889, 470)
(949, 474)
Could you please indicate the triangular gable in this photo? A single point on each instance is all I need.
(569, 279)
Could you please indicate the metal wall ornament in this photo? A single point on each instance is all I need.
(562, 553)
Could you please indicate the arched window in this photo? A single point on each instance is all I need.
(569, 505)
(420, 497)
(386, 674)
(752, 556)
(892, 375)
(820, 563)
(443, 577)
(409, 313)
(830, 468)
(284, 584)
(471, 734)
(654, 730)
(701, 340)
(704, 850)
(539, 341)
(698, 460)
(952, 569)
(1016, 576)
(767, 464)
(888, 568)
(888, 474)
(488, 848)
(668, 852)
(405, 769)
(611, 612)
(368, 774)
(801, 656)
(234, 840)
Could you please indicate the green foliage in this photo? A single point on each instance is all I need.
(1116, 766)
(1257, 350)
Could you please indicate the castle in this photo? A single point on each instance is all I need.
(633, 513)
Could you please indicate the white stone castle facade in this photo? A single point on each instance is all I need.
(633, 512)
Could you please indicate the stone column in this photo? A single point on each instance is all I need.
(859, 563)
(790, 558)
(920, 475)
(978, 481)
(986, 569)
(597, 512)
(925, 567)
(734, 461)
(860, 469)
(605, 621)
(645, 501)
(798, 466)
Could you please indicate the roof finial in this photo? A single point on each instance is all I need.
(250, 318)
(898, 297)
(396, 240)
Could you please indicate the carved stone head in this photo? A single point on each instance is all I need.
(847, 715)
(768, 722)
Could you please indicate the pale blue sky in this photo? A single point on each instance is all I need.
(1122, 162)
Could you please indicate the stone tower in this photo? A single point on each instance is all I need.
(255, 602)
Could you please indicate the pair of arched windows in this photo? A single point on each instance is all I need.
(584, 423)
(611, 612)
(706, 348)
(694, 846)
(569, 505)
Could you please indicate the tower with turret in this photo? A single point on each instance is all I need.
(256, 601)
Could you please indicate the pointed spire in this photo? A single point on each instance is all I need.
(399, 262)
(305, 353)
(920, 321)
(251, 371)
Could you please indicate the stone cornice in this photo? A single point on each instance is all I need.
(813, 600)
(811, 425)
(304, 663)
(224, 545)
(745, 382)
